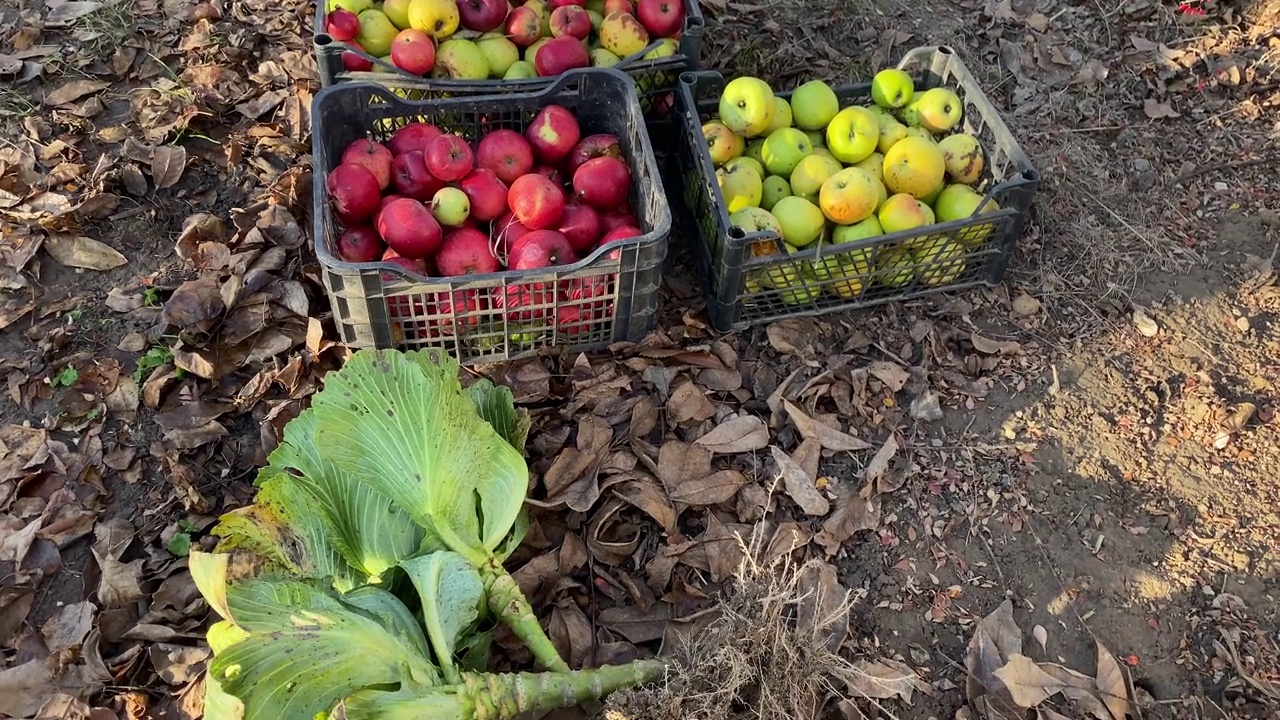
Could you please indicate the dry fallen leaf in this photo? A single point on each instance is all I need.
(800, 487)
(987, 346)
(1111, 683)
(829, 437)
(1027, 684)
(882, 679)
(82, 252)
(167, 164)
(1041, 635)
(744, 433)
(74, 90)
(1156, 110)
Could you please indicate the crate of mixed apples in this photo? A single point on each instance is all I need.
(489, 226)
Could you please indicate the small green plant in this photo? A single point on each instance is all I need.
(66, 378)
(180, 543)
(366, 577)
(150, 360)
(151, 297)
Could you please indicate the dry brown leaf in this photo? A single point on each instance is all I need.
(68, 93)
(792, 336)
(823, 612)
(1111, 683)
(15, 603)
(1080, 688)
(879, 464)
(120, 582)
(63, 13)
(68, 628)
(646, 495)
(995, 639)
(82, 252)
(1156, 110)
(636, 624)
(829, 437)
(570, 631)
(1027, 684)
(894, 376)
(689, 404)
(744, 433)
(855, 511)
(800, 487)
(167, 165)
(882, 679)
(987, 346)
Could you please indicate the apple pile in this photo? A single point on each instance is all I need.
(503, 39)
(815, 170)
(436, 205)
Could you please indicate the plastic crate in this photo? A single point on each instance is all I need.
(381, 305)
(655, 79)
(866, 272)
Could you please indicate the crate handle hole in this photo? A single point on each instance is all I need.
(1031, 175)
(323, 39)
(737, 233)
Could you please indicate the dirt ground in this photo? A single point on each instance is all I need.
(1102, 453)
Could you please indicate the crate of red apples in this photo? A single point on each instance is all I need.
(489, 226)
(469, 47)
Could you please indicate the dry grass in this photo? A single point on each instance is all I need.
(772, 650)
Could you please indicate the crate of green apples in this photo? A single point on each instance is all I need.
(833, 198)
(468, 47)
(489, 226)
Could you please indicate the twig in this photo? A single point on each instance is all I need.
(1235, 165)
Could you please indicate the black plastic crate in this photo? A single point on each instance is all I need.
(382, 305)
(655, 80)
(865, 272)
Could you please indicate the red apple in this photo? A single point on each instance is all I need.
(412, 178)
(507, 230)
(603, 183)
(540, 249)
(354, 192)
(386, 199)
(593, 146)
(557, 4)
(457, 308)
(482, 15)
(663, 104)
(553, 132)
(449, 157)
(536, 202)
(662, 18)
(524, 27)
(580, 226)
(506, 153)
(488, 194)
(550, 173)
(413, 51)
(414, 136)
(465, 252)
(620, 233)
(563, 53)
(408, 227)
(610, 221)
(618, 6)
(374, 156)
(525, 303)
(413, 266)
(569, 320)
(571, 20)
(342, 24)
(352, 62)
(360, 244)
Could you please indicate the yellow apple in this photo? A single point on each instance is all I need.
(802, 221)
(890, 133)
(825, 152)
(892, 88)
(962, 154)
(921, 134)
(781, 115)
(817, 138)
(722, 143)
(437, 18)
(940, 109)
(810, 174)
(903, 212)
(895, 267)
(784, 149)
(755, 220)
(853, 267)
(853, 134)
(746, 106)
(849, 196)
(749, 162)
(740, 186)
(376, 32)
(942, 260)
(913, 166)
(957, 202)
(882, 116)
(874, 164)
(397, 11)
(813, 105)
(776, 187)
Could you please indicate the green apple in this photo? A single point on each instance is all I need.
(520, 70)
(895, 267)
(500, 53)
(824, 152)
(802, 221)
(909, 115)
(450, 206)
(775, 188)
(749, 162)
(813, 104)
(604, 58)
(784, 149)
(376, 32)
(943, 261)
(461, 60)
(892, 88)
(666, 48)
(531, 52)
(803, 292)
(853, 134)
(397, 11)
(882, 115)
(723, 144)
(817, 138)
(747, 106)
(355, 6)
(852, 267)
(740, 186)
(957, 202)
(919, 132)
(890, 133)
(597, 19)
(903, 212)
(781, 115)
(940, 109)
(755, 220)
(755, 150)
(810, 173)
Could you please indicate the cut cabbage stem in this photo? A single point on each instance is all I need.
(505, 696)
(512, 607)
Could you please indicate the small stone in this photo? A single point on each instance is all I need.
(1146, 326)
(1025, 305)
(1220, 186)
(133, 342)
(1242, 324)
